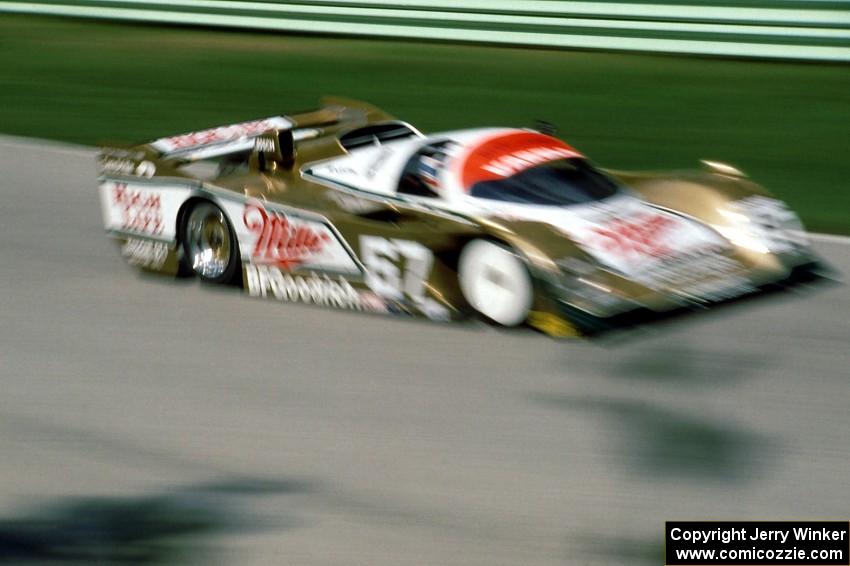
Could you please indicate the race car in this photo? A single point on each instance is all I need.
(345, 206)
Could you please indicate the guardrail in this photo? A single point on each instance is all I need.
(784, 29)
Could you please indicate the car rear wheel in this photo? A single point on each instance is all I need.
(495, 282)
(209, 244)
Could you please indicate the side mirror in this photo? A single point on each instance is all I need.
(723, 168)
(273, 150)
(544, 127)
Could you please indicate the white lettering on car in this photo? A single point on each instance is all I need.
(382, 257)
(324, 290)
(145, 253)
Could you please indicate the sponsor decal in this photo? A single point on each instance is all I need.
(323, 290)
(220, 135)
(633, 238)
(269, 281)
(141, 210)
(281, 240)
(508, 154)
(398, 270)
(145, 253)
(642, 234)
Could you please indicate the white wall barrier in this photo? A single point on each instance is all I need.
(778, 29)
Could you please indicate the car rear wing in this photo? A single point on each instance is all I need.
(222, 140)
(241, 137)
(267, 142)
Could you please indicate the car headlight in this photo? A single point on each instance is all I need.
(763, 225)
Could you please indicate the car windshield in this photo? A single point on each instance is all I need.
(557, 183)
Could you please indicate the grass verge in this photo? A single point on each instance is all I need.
(786, 124)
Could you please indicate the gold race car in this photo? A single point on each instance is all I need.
(347, 207)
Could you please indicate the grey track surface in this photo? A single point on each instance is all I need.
(331, 438)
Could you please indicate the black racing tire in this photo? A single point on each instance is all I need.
(210, 247)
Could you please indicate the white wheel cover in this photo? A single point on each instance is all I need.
(495, 282)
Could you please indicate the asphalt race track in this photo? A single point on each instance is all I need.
(148, 419)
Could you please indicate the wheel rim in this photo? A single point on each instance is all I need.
(496, 283)
(208, 241)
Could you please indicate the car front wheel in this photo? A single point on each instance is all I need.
(495, 281)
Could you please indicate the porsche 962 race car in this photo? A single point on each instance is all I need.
(345, 206)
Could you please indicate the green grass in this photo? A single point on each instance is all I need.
(786, 124)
